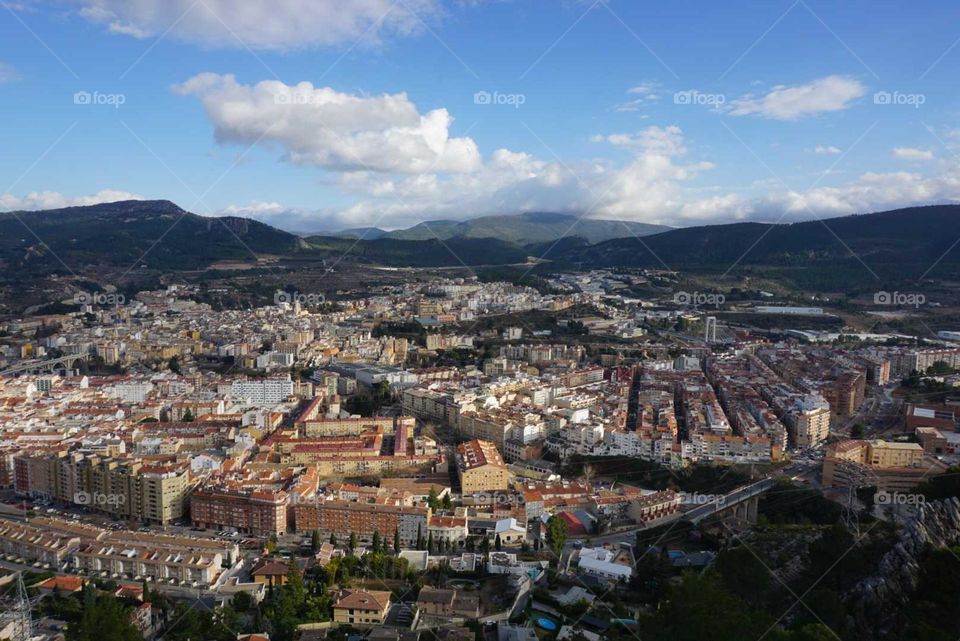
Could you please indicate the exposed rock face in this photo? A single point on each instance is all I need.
(937, 524)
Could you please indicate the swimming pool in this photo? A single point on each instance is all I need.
(546, 624)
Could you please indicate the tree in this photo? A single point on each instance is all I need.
(375, 544)
(700, 608)
(430, 543)
(104, 617)
(241, 601)
(433, 500)
(174, 365)
(294, 585)
(353, 542)
(333, 539)
(315, 541)
(396, 541)
(744, 574)
(497, 544)
(420, 541)
(187, 417)
(447, 502)
(556, 534)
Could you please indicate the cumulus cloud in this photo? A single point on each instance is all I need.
(55, 200)
(912, 153)
(647, 187)
(827, 150)
(264, 24)
(326, 128)
(401, 166)
(832, 93)
(870, 192)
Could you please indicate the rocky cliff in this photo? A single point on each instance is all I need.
(937, 524)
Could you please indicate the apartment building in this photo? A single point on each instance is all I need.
(321, 427)
(121, 487)
(342, 518)
(263, 392)
(481, 468)
(256, 511)
(890, 466)
(808, 422)
(429, 405)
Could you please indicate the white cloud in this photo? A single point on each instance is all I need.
(870, 192)
(648, 187)
(912, 153)
(337, 131)
(827, 150)
(264, 24)
(8, 73)
(660, 140)
(832, 93)
(255, 209)
(646, 92)
(55, 200)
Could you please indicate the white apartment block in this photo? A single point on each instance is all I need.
(265, 392)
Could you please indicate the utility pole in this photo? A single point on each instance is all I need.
(21, 613)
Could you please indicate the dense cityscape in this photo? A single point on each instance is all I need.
(406, 469)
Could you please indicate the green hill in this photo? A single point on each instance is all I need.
(154, 233)
(527, 228)
(898, 244)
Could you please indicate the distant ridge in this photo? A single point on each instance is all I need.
(522, 229)
(158, 235)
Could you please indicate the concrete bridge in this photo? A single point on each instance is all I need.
(38, 365)
(739, 505)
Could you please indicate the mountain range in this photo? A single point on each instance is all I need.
(159, 235)
(522, 229)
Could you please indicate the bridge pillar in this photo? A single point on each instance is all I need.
(741, 512)
(752, 509)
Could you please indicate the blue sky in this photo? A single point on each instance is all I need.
(676, 112)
